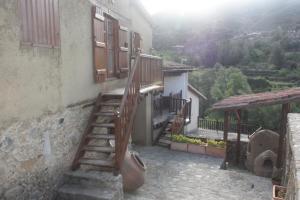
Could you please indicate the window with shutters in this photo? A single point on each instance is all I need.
(110, 46)
(40, 23)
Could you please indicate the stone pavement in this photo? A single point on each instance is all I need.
(175, 175)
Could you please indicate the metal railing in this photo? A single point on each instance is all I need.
(216, 125)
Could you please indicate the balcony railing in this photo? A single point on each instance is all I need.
(150, 70)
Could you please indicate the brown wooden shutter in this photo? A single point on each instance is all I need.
(123, 66)
(136, 42)
(40, 22)
(99, 46)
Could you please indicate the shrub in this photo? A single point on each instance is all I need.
(214, 143)
(184, 139)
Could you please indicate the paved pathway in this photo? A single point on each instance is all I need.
(181, 176)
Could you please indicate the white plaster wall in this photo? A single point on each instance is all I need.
(195, 112)
(35, 81)
(76, 53)
(143, 27)
(175, 83)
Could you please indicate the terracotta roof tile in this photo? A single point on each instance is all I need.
(258, 99)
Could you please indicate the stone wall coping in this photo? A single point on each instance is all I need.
(293, 127)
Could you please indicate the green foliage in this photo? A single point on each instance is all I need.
(266, 117)
(184, 139)
(259, 84)
(277, 55)
(214, 143)
(203, 80)
(229, 82)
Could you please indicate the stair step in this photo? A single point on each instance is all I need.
(93, 178)
(99, 149)
(105, 114)
(164, 141)
(77, 192)
(101, 136)
(93, 162)
(163, 144)
(104, 125)
(109, 104)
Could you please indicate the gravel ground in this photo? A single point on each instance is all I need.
(175, 175)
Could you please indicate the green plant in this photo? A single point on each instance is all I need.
(214, 143)
(184, 139)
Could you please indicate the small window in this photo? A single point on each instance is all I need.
(40, 23)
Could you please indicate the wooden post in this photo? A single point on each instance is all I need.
(284, 112)
(238, 142)
(225, 137)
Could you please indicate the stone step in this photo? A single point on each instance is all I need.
(101, 136)
(104, 125)
(110, 104)
(94, 178)
(102, 149)
(165, 141)
(80, 192)
(163, 145)
(105, 114)
(99, 163)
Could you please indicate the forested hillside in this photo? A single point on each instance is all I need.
(240, 50)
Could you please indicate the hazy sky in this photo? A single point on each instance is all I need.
(189, 6)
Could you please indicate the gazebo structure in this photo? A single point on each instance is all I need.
(236, 104)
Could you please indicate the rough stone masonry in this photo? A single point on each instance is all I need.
(35, 153)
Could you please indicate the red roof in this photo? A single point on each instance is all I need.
(258, 99)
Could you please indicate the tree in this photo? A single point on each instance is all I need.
(277, 55)
(229, 82)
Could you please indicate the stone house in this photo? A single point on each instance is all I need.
(76, 72)
(49, 77)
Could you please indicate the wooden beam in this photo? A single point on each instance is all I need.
(238, 142)
(225, 136)
(284, 112)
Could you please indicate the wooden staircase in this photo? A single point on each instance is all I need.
(104, 143)
(176, 125)
(97, 147)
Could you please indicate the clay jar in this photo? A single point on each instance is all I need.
(133, 172)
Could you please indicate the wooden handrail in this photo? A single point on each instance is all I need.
(183, 114)
(124, 117)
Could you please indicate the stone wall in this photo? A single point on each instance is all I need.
(35, 153)
(291, 175)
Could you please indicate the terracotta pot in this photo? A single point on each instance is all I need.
(133, 172)
(215, 151)
(277, 188)
(179, 146)
(196, 148)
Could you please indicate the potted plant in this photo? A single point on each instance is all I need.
(279, 192)
(178, 143)
(216, 148)
(197, 146)
(184, 143)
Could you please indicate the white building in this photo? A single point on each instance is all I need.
(176, 81)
